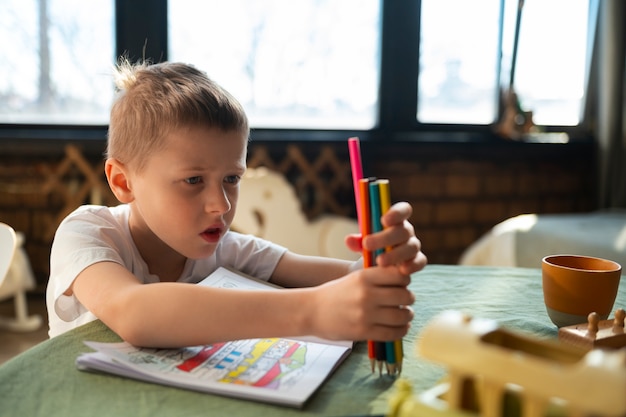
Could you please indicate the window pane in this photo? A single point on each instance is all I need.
(66, 77)
(550, 70)
(305, 63)
(458, 61)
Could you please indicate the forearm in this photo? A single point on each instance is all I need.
(295, 270)
(361, 305)
(178, 314)
(369, 304)
(174, 314)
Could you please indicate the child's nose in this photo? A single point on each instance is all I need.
(217, 200)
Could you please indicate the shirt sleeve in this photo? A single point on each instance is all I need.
(85, 237)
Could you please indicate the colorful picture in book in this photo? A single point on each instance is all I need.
(268, 363)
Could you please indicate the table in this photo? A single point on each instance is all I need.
(44, 381)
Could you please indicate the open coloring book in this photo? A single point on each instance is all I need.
(275, 370)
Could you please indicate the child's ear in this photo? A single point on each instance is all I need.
(119, 181)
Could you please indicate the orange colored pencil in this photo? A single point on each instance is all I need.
(366, 224)
(365, 228)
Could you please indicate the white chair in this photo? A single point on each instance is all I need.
(8, 241)
(13, 266)
(269, 208)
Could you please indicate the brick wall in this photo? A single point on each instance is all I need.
(459, 193)
(25, 208)
(458, 190)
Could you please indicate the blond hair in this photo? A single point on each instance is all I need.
(154, 100)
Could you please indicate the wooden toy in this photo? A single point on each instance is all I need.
(596, 333)
(496, 372)
(268, 207)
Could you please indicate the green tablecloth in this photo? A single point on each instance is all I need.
(44, 380)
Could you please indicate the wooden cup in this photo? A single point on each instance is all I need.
(575, 285)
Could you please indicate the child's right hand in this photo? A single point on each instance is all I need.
(399, 235)
(368, 304)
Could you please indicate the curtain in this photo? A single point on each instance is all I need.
(611, 103)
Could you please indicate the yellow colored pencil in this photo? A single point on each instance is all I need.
(385, 205)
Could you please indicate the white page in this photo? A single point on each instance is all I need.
(280, 371)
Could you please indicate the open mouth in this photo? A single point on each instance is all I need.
(212, 234)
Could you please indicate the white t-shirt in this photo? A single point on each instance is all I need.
(94, 234)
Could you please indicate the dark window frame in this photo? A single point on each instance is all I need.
(141, 32)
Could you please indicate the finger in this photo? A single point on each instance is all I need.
(415, 265)
(392, 297)
(400, 254)
(354, 242)
(394, 316)
(388, 276)
(388, 333)
(390, 237)
(397, 214)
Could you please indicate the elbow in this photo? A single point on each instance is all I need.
(129, 330)
(129, 322)
(134, 334)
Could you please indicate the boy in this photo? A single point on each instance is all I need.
(176, 150)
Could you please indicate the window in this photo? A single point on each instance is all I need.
(292, 64)
(551, 61)
(459, 68)
(307, 64)
(56, 62)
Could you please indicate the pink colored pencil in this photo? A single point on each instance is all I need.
(354, 148)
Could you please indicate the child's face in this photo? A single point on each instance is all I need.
(186, 194)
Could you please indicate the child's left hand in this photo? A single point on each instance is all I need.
(399, 235)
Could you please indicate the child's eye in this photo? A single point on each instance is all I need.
(193, 180)
(232, 179)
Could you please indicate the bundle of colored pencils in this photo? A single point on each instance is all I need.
(373, 199)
